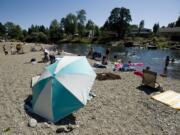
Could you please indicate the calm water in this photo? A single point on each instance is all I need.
(153, 58)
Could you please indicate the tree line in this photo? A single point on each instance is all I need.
(72, 24)
(76, 24)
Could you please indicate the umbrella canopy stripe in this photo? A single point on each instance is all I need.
(71, 82)
(66, 104)
(38, 88)
(83, 65)
(66, 61)
(45, 75)
(44, 101)
(52, 67)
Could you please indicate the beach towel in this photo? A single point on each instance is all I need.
(170, 98)
(138, 73)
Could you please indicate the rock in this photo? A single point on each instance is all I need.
(50, 122)
(78, 122)
(61, 129)
(32, 123)
(47, 125)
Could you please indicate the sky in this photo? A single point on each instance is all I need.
(38, 12)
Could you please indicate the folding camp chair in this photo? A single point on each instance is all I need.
(149, 79)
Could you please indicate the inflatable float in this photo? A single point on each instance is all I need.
(136, 64)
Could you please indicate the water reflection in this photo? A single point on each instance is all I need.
(152, 58)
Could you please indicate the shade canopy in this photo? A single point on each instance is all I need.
(63, 88)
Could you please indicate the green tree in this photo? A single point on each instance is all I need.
(141, 25)
(13, 31)
(2, 30)
(54, 31)
(70, 24)
(106, 26)
(171, 25)
(97, 31)
(178, 22)
(81, 18)
(37, 37)
(156, 28)
(119, 20)
(62, 23)
(133, 26)
(90, 25)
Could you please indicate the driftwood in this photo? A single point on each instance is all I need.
(107, 76)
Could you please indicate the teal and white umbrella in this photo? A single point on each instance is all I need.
(63, 88)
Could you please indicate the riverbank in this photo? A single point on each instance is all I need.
(119, 107)
(159, 42)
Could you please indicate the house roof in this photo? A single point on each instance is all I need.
(170, 30)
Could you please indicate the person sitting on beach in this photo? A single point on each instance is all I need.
(104, 60)
(128, 67)
(12, 50)
(5, 51)
(52, 58)
(18, 48)
(46, 56)
(118, 65)
(129, 62)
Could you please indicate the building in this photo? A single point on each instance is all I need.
(173, 33)
(143, 32)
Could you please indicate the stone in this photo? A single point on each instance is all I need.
(47, 125)
(61, 129)
(32, 122)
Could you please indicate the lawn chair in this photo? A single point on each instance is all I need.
(149, 79)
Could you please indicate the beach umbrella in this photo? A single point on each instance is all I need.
(63, 88)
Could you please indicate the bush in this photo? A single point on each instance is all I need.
(37, 37)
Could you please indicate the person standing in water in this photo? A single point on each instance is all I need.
(167, 62)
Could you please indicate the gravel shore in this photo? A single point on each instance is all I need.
(120, 106)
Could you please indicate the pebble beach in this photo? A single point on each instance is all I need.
(120, 106)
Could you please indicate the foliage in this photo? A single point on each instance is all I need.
(171, 25)
(70, 24)
(13, 31)
(141, 25)
(156, 28)
(174, 24)
(118, 21)
(54, 31)
(37, 37)
(90, 25)
(2, 30)
(178, 22)
(81, 18)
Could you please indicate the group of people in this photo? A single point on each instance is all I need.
(121, 66)
(13, 50)
(49, 57)
(96, 55)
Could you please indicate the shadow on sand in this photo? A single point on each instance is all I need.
(148, 90)
(70, 119)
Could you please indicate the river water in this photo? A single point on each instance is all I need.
(155, 59)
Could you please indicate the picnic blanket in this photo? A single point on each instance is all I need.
(170, 98)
